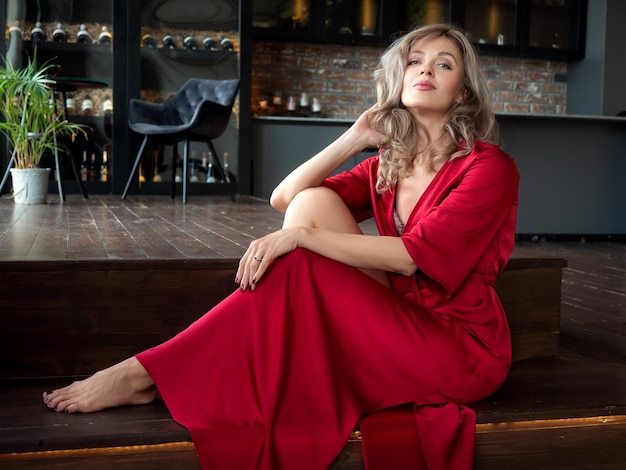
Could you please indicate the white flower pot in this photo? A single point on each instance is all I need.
(30, 185)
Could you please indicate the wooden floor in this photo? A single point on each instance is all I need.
(214, 227)
(144, 227)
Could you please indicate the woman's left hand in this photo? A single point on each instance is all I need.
(264, 251)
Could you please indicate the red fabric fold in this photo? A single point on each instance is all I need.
(426, 437)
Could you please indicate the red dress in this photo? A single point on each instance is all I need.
(277, 378)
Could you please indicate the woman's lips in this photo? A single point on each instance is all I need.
(424, 86)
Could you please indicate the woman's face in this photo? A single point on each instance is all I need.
(433, 78)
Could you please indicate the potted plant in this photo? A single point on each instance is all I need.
(31, 125)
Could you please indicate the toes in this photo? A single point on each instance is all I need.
(57, 402)
(65, 404)
(61, 407)
(47, 399)
(73, 408)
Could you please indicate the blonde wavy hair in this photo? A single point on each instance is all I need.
(468, 121)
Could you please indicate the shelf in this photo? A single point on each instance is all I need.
(75, 60)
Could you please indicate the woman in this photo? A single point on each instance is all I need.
(329, 324)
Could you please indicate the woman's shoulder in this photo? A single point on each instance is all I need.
(487, 158)
(489, 151)
(495, 158)
(368, 164)
(482, 148)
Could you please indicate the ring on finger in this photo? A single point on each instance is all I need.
(257, 259)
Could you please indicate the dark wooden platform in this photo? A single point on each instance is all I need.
(215, 228)
(90, 282)
(528, 423)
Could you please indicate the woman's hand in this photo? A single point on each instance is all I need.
(364, 125)
(264, 251)
(311, 173)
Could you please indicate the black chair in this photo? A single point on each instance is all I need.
(199, 111)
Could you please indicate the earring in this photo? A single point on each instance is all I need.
(463, 96)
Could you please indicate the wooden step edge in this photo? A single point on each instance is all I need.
(182, 452)
(182, 455)
(554, 423)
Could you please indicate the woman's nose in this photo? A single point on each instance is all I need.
(426, 70)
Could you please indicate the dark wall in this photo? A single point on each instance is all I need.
(572, 173)
(595, 85)
(572, 169)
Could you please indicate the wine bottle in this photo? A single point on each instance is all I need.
(190, 43)
(94, 169)
(87, 106)
(304, 109)
(205, 165)
(178, 178)
(194, 167)
(37, 34)
(59, 35)
(84, 167)
(291, 106)
(148, 41)
(104, 168)
(156, 177)
(107, 107)
(193, 178)
(69, 104)
(168, 42)
(83, 37)
(227, 44)
(229, 177)
(316, 108)
(209, 44)
(210, 171)
(105, 38)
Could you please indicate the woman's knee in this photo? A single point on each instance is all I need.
(316, 196)
(320, 207)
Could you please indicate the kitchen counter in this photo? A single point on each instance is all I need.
(499, 116)
(573, 168)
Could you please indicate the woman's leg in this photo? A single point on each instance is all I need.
(126, 383)
(322, 208)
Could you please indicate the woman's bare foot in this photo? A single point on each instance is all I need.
(126, 383)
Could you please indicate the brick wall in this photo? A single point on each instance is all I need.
(340, 78)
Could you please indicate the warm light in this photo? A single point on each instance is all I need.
(562, 423)
(299, 10)
(434, 12)
(368, 16)
(493, 20)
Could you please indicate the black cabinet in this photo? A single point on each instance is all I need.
(555, 30)
(359, 22)
(544, 29)
(548, 29)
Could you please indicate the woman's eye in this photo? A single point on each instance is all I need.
(445, 66)
(414, 62)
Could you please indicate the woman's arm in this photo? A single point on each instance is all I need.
(313, 172)
(367, 252)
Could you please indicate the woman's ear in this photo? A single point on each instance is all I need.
(463, 96)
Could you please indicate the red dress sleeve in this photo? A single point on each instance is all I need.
(472, 208)
(354, 187)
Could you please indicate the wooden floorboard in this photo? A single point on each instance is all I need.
(148, 227)
(593, 307)
(104, 227)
